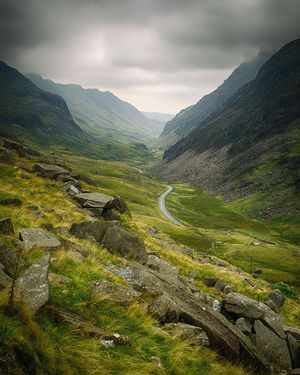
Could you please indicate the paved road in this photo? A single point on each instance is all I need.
(163, 208)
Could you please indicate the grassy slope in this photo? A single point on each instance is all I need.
(63, 350)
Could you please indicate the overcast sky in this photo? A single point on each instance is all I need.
(160, 55)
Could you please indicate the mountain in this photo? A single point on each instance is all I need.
(24, 105)
(251, 145)
(100, 112)
(189, 118)
(27, 111)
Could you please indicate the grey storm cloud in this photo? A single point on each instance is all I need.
(144, 50)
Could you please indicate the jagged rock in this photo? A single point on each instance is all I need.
(6, 226)
(93, 200)
(32, 287)
(10, 259)
(119, 241)
(273, 347)
(295, 332)
(117, 204)
(294, 348)
(195, 335)
(10, 201)
(5, 280)
(224, 337)
(70, 188)
(277, 297)
(244, 325)
(164, 309)
(34, 237)
(49, 170)
(96, 229)
(116, 293)
(162, 266)
(19, 148)
(244, 306)
(271, 304)
(57, 280)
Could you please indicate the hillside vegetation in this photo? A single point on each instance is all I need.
(48, 346)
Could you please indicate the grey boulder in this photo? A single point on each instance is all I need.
(120, 242)
(32, 287)
(96, 229)
(277, 297)
(49, 170)
(11, 259)
(35, 237)
(162, 266)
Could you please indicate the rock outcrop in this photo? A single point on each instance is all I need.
(119, 241)
(32, 287)
(96, 229)
(35, 237)
(49, 170)
(193, 334)
(95, 202)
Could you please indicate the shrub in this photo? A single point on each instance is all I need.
(285, 289)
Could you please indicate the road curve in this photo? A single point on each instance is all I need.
(163, 208)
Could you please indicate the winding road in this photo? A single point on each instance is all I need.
(163, 208)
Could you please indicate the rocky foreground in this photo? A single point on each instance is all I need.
(237, 327)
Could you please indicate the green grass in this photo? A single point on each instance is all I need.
(58, 347)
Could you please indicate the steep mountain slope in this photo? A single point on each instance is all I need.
(189, 118)
(251, 145)
(25, 105)
(27, 111)
(100, 112)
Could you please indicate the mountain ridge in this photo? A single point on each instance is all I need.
(100, 112)
(189, 118)
(248, 146)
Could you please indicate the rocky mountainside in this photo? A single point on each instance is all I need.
(101, 112)
(249, 145)
(84, 286)
(24, 105)
(189, 118)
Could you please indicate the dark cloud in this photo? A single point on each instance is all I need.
(143, 49)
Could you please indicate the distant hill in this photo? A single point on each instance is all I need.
(158, 120)
(101, 112)
(251, 145)
(27, 111)
(24, 105)
(189, 118)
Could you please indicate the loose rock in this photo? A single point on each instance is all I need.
(6, 226)
(34, 237)
(96, 229)
(119, 241)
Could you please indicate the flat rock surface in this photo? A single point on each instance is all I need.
(50, 170)
(32, 237)
(93, 200)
